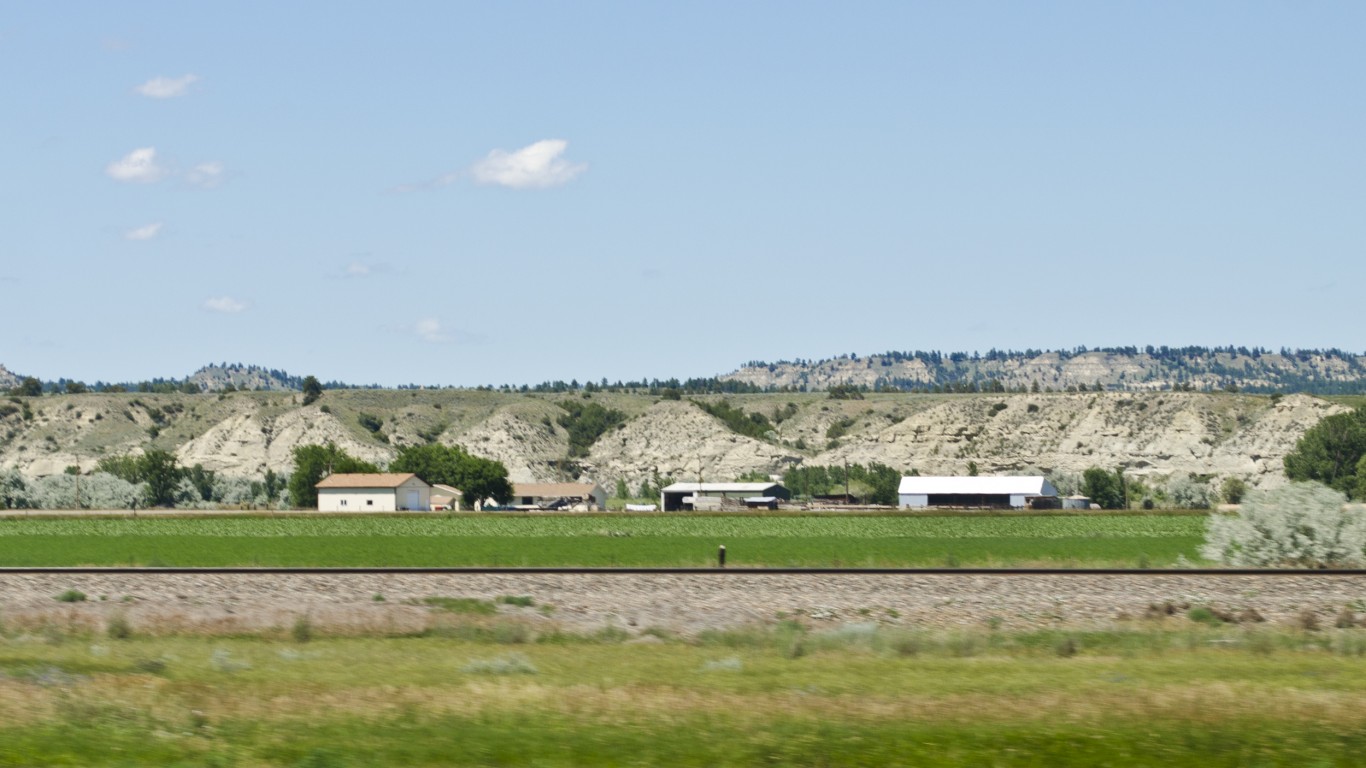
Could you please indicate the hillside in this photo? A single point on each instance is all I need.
(221, 376)
(8, 380)
(1152, 435)
(1123, 369)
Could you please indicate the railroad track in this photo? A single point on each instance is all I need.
(711, 571)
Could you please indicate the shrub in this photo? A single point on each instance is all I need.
(468, 605)
(1233, 489)
(71, 596)
(585, 423)
(302, 631)
(1188, 493)
(118, 627)
(1301, 524)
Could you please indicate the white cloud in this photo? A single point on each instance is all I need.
(224, 304)
(429, 330)
(443, 180)
(140, 165)
(536, 166)
(207, 175)
(357, 269)
(143, 233)
(166, 87)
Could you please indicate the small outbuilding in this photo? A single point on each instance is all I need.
(375, 492)
(973, 492)
(446, 498)
(690, 496)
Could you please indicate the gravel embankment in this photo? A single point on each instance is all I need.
(687, 604)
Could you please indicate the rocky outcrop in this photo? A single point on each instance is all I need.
(1157, 435)
(1127, 370)
(676, 439)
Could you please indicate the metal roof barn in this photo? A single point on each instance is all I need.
(681, 496)
(990, 492)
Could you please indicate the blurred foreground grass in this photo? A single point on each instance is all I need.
(1161, 693)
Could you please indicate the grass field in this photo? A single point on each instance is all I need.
(502, 540)
(1168, 693)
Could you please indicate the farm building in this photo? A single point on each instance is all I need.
(445, 497)
(990, 492)
(688, 496)
(581, 496)
(373, 493)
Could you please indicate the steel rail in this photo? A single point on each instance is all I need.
(642, 571)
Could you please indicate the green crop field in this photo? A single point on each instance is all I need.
(858, 695)
(513, 540)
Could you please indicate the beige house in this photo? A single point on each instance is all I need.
(586, 497)
(384, 492)
(446, 497)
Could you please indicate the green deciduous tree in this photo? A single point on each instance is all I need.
(314, 462)
(13, 490)
(29, 387)
(158, 469)
(155, 467)
(1330, 452)
(1103, 487)
(313, 389)
(476, 477)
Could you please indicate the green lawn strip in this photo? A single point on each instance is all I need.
(341, 551)
(623, 526)
(488, 540)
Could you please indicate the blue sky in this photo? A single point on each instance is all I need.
(471, 193)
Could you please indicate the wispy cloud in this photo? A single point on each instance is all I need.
(536, 166)
(167, 87)
(139, 166)
(429, 330)
(357, 269)
(443, 180)
(225, 304)
(143, 233)
(207, 175)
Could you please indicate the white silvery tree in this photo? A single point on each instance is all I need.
(1302, 524)
(1186, 492)
(97, 491)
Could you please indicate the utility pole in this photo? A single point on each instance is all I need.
(846, 481)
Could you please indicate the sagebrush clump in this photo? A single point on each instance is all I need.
(1304, 525)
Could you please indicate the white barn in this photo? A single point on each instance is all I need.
(993, 492)
(688, 496)
(380, 492)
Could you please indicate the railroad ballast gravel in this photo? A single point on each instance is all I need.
(685, 604)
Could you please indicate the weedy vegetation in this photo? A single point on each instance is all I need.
(1177, 692)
